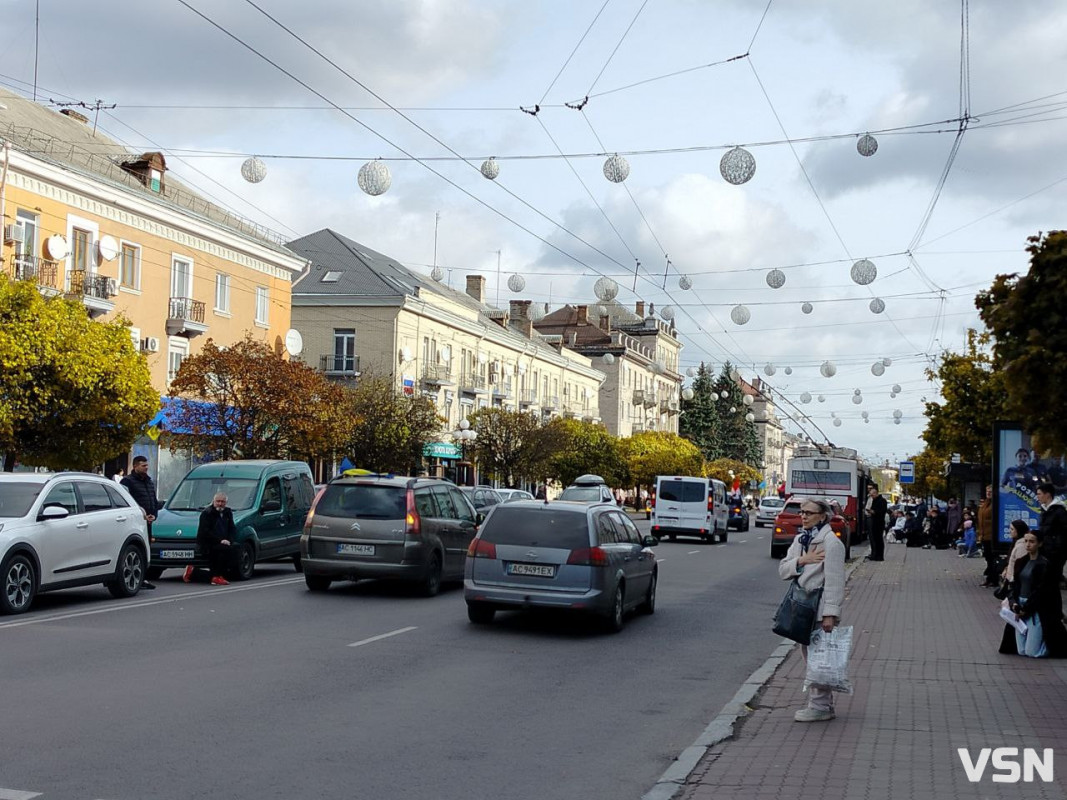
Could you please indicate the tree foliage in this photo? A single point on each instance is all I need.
(653, 453)
(930, 477)
(1027, 319)
(511, 445)
(708, 422)
(389, 429)
(729, 470)
(699, 420)
(249, 402)
(586, 447)
(73, 392)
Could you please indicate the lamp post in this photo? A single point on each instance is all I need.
(465, 436)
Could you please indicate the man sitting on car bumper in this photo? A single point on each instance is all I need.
(215, 537)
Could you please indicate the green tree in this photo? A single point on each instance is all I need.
(729, 470)
(586, 447)
(699, 420)
(1028, 322)
(250, 402)
(73, 392)
(930, 477)
(389, 429)
(653, 453)
(736, 437)
(511, 445)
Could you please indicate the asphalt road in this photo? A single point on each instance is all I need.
(263, 690)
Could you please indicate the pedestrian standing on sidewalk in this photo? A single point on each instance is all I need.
(1017, 530)
(986, 538)
(953, 517)
(877, 508)
(1035, 599)
(1053, 527)
(816, 559)
(215, 537)
(143, 491)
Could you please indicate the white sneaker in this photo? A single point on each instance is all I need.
(813, 715)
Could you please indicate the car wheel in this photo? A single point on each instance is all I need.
(153, 573)
(129, 574)
(613, 622)
(431, 584)
(672, 537)
(723, 537)
(317, 583)
(246, 562)
(20, 585)
(747, 523)
(298, 564)
(480, 613)
(649, 606)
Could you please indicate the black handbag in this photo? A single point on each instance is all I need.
(797, 613)
(1003, 590)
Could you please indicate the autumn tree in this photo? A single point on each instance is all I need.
(247, 401)
(586, 447)
(73, 392)
(389, 429)
(511, 445)
(729, 470)
(930, 480)
(1026, 317)
(653, 453)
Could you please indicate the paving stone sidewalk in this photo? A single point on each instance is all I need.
(928, 679)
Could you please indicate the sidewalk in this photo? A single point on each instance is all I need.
(928, 679)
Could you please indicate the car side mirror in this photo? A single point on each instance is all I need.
(270, 505)
(54, 512)
(650, 541)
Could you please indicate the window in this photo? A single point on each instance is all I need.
(62, 495)
(459, 502)
(272, 493)
(331, 276)
(30, 224)
(177, 352)
(424, 504)
(94, 496)
(222, 292)
(130, 266)
(155, 180)
(344, 350)
(181, 277)
(262, 311)
(80, 254)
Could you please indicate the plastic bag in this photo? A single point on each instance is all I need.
(828, 659)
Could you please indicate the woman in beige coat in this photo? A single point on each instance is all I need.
(816, 558)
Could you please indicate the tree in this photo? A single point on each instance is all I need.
(586, 447)
(653, 453)
(729, 470)
(930, 477)
(736, 437)
(73, 392)
(699, 420)
(1028, 322)
(511, 444)
(389, 429)
(247, 401)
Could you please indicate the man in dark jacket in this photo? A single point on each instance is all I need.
(1053, 529)
(215, 537)
(143, 491)
(876, 515)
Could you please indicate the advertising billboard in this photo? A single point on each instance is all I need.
(1019, 470)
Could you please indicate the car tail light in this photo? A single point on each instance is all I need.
(479, 548)
(311, 512)
(711, 505)
(588, 557)
(777, 529)
(412, 520)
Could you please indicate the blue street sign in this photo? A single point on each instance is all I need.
(907, 472)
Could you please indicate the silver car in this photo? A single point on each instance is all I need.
(566, 555)
(768, 510)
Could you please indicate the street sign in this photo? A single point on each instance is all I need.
(907, 472)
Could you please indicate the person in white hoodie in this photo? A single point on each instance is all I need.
(816, 558)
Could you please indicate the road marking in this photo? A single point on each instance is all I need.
(217, 592)
(743, 541)
(397, 632)
(15, 794)
(660, 560)
(691, 552)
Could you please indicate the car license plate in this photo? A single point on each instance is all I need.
(355, 549)
(666, 519)
(538, 570)
(177, 553)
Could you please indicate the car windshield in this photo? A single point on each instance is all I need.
(196, 494)
(363, 501)
(772, 503)
(16, 498)
(539, 526)
(583, 494)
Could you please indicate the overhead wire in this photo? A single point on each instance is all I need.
(575, 50)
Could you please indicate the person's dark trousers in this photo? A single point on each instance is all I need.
(877, 538)
(990, 563)
(222, 560)
(145, 583)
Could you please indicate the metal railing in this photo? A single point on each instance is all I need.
(333, 364)
(435, 373)
(473, 380)
(89, 284)
(529, 396)
(41, 271)
(550, 401)
(187, 309)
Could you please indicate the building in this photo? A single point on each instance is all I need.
(360, 311)
(85, 217)
(638, 355)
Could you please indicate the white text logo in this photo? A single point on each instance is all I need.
(1006, 764)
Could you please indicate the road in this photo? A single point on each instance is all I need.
(264, 690)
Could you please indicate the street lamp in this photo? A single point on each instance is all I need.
(465, 436)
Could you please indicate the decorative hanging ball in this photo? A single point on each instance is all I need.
(687, 393)
(856, 392)
(833, 414)
(733, 409)
(769, 369)
(685, 283)
(605, 289)
(867, 145)
(877, 305)
(374, 178)
(737, 166)
(599, 311)
(896, 388)
(616, 169)
(807, 308)
(516, 283)
(864, 414)
(490, 168)
(667, 312)
(896, 421)
(735, 375)
(537, 311)
(864, 272)
(897, 414)
(740, 315)
(658, 367)
(776, 279)
(827, 369)
(857, 399)
(821, 398)
(837, 423)
(887, 362)
(691, 372)
(253, 170)
(748, 399)
(608, 359)
(750, 417)
(893, 395)
(788, 370)
(724, 394)
(438, 274)
(878, 368)
(805, 398)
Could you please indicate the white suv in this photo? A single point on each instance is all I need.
(67, 529)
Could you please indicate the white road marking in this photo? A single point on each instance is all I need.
(397, 632)
(660, 560)
(118, 606)
(743, 541)
(691, 552)
(15, 794)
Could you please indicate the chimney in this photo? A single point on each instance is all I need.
(605, 323)
(519, 309)
(640, 309)
(525, 326)
(70, 112)
(583, 315)
(476, 287)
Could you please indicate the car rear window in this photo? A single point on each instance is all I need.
(536, 527)
(16, 498)
(582, 494)
(363, 501)
(772, 503)
(683, 491)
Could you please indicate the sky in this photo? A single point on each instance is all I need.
(434, 87)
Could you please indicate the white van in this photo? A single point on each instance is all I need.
(690, 506)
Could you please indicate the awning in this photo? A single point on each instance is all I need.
(166, 419)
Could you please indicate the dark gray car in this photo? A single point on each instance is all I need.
(568, 555)
(413, 529)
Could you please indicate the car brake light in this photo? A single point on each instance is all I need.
(588, 557)
(412, 520)
(311, 512)
(711, 504)
(479, 548)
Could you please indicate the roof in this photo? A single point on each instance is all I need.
(63, 141)
(241, 469)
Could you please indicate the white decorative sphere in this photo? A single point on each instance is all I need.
(667, 312)
(887, 362)
(769, 369)
(866, 421)
(737, 166)
(857, 399)
(864, 272)
(735, 375)
(788, 370)
(490, 168)
(599, 311)
(438, 274)
(877, 305)
(878, 368)
(748, 399)
(740, 315)
(837, 423)
(896, 421)
(805, 398)
(516, 283)
(864, 414)
(867, 145)
(821, 398)
(374, 178)
(687, 393)
(657, 367)
(724, 394)
(896, 388)
(856, 392)
(685, 282)
(616, 169)
(536, 311)
(605, 289)
(691, 372)
(733, 409)
(608, 359)
(253, 170)
(750, 417)
(776, 279)
(897, 414)
(827, 369)
(807, 308)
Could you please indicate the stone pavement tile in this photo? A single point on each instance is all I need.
(928, 680)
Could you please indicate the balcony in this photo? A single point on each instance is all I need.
(528, 398)
(335, 366)
(664, 407)
(41, 271)
(639, 396)
(95, 291)
(550, 402)
(437, 375)
(502, 389)
(185, 317)
(473, 383)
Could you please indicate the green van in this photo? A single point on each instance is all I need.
(270, 501)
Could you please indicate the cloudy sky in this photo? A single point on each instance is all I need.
(673, 85)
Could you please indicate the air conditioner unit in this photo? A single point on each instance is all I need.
(14, 233)
(150, 344)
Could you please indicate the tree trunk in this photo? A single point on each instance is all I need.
(9, 462)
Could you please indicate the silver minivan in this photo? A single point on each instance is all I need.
(566, 555)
